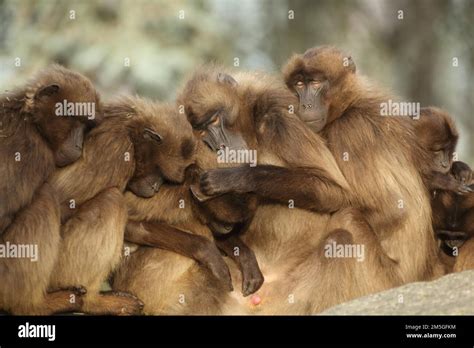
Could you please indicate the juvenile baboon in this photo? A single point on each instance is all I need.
(453, 214)
(437, 133)
(175, 220)
(138, 145)
(370, 150)
(36, 136)
(450, 184)
(294, 166)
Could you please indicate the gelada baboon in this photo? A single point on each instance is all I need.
(437, 133)
(370, 150)
(294, 167)
(175, 220)
(453, 218)
(452, 197)
(138, 145)
(37, 135)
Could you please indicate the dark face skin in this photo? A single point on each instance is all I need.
(215, 134)
(151, 152)
(442, 158)
(310, 89)
(441, 145)
(64, 134)
(147, 178)
(214, 127)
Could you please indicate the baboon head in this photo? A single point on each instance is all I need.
(437, 133)
(321, 78)
(163, 142)
(212, 106)
(63, 105)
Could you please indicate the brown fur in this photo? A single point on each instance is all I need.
(29, 209)
(288, 243)
(172, 274)
(453, 212)
(116, 153)
(453, 222)
(438, 135)
(377, 147)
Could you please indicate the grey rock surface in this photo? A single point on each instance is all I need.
(452, 294)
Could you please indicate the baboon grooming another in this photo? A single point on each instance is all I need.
(294, 166)
(370, 150)
(452, 197)
(437, 134)
(163, 222)
(33, 140)
(138, 145)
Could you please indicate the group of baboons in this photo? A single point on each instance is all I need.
(136, 196)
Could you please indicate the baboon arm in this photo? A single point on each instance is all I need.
(308, 174)
(307, 188)
(167, 237)
(234, 248)
(163, 236)
(244, 257)
(439, 181)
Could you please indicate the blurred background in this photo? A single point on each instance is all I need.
(423, 50)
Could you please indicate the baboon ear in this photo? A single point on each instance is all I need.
(47, 91)
(349, 62)
(226, 79)
(150, 134)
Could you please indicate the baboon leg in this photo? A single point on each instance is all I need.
(465, 259)
(244, 257)
(113, 303)
(24, 280)
(167, 237)
(90, 250)
(63, 301)
(349, 262)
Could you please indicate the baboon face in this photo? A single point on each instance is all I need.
(211, 105)
(437, 133)
(164, 147)
(315, 77)
(65, 105)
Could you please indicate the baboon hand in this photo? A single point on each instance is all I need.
(462, 172)
(224, 180)
(252, 277)
(210, 257)
(463, 189)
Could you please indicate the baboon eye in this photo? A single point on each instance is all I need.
(150, 134)
(215, 120)
(315, 83)
(299, 84)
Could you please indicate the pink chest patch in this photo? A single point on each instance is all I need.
(255, 300)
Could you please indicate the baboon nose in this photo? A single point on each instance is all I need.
(307, 106)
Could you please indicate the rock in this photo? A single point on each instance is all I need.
(452, 294)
